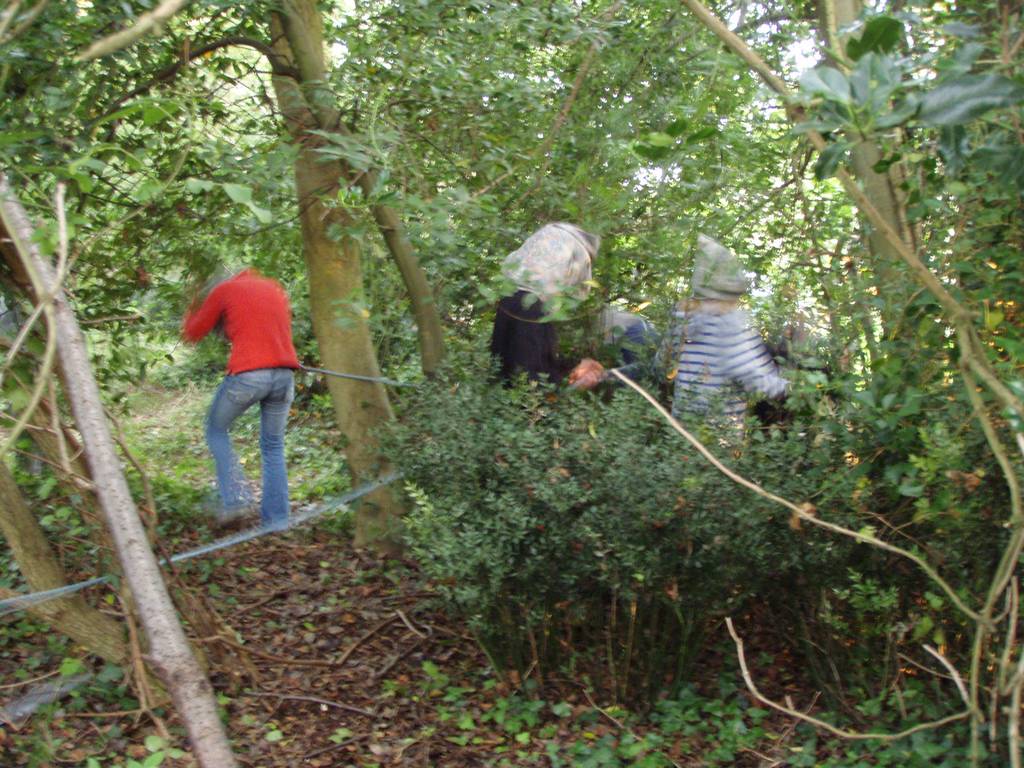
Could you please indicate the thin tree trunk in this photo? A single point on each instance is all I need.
(302, 25)
(336, 286)
(96, 632)
(421, 295)
(882, 188)
(169, 651)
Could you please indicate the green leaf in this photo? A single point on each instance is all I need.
(900, 114)
(157, 112)
(649, 152)
(154, 743)
(262, 214)
(868, 531)
(198, 185)
(962, 99)
(828, 83)
(830, 159)
(954, 148)
(881, 34)
(701, 134)
(676, 128)
(908, 489)
(923, 627)
(273, 736)
(238, 192)
(14, 137)
(658, 139)
(70, 666)
(340, 735)
(961, 30)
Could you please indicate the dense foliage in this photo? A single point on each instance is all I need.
(578, 533)
(581, 530)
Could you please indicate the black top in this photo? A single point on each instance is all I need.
(523, 342)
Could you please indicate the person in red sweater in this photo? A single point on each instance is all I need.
(254, 314)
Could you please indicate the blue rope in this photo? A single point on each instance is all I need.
(21, 602)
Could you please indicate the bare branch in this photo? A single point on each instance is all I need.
(852, 735)
(952, 671)
(277, 64)
(147, 22)
(805, 511)
(9, 15)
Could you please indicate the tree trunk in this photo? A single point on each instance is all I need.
(421, 295)
(882, 188)
(169, 651)
(335, 282)
(96, 632)
(302, 25)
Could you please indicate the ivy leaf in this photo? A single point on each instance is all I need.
(881, 34)
(70, 667)
(961, 99)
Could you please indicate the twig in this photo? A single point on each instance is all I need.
(407, 623)
(617, 723)
(18, 232)
(332, 747)
(805, 511)
(270, 656)
(559, 121)
(853, 735)
(952, 671)
(366, 636)
(112, 318)
(603, 711)
(20, 683)
(121, 713)
(397, 658)
(147, 486)
(312, 699)
(148, 21)
(24, 24)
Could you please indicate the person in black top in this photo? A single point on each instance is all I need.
(553, 262)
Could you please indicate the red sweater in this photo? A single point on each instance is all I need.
(256, 319)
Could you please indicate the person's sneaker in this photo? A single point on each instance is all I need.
(225, 517)
(277, 525)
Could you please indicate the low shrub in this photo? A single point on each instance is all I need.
(580, 531)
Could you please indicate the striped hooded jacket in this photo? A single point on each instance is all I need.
(718, 357)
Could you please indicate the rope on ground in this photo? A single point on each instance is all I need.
(358, 377)
(23, 602)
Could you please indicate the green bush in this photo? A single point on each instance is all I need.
(570, 529)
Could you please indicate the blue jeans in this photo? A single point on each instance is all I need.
(273, 389)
